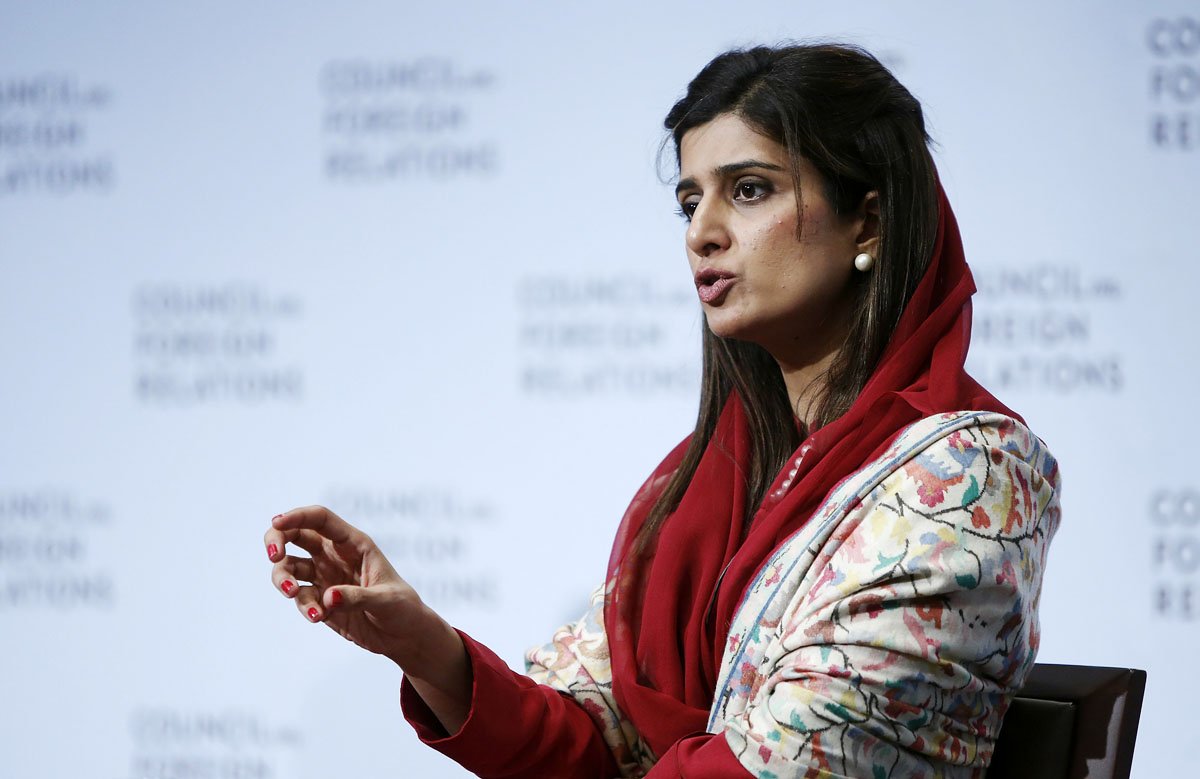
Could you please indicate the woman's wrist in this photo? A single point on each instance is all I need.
(431, 649)
(439, 670)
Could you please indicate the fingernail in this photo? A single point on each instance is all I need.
(335, 597)
(313, 614)
(272, 550)
(287, 587)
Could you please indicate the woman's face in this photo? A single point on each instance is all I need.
(766, 271)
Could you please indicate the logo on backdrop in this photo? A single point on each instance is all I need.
(46, 560)
(46, 127)
(196, 344)
(584, 336)
(1174, 46)
(1035, 330)
(171, 742)
(432, 536)
(407, 119)
(1175, 552)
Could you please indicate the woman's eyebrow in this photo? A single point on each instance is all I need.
(722, 171)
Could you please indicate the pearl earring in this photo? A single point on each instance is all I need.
(864, 262)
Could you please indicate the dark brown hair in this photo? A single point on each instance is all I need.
(841, 110)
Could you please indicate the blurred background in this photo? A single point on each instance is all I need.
(418, 262)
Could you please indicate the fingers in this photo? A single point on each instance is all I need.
(275, 540)
(308, 527)
(321, 520)
(333, 542)
(316, 604)
(276, 543)
(308, 540)
(348, 598)
(308, 603)
(379, 599)
(287, 575)
(290, 571)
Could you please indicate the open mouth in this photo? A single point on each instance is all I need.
(713, 284)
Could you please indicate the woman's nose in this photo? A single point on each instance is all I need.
(708, 232)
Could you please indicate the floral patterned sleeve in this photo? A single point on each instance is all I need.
(912, 621)
(576, 662)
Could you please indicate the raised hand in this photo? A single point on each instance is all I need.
(347, 583)
(350, 586)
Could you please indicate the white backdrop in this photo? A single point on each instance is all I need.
(416, 262)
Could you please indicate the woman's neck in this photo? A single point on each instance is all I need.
(805, 383)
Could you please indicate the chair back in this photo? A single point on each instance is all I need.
(1071, 722)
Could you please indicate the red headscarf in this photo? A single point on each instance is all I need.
(666, 651)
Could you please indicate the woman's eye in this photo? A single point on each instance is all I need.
(750, 190)
(686, 209)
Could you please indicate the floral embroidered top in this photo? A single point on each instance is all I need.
(885, 638)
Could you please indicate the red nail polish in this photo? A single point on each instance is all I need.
(287, 587)
(272, 550)
(277, 516)
(313, 614)
(335, 597)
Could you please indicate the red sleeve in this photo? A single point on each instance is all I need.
(516, 728)
(703, 756)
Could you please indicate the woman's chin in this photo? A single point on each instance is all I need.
(724, 328)
(727, 323)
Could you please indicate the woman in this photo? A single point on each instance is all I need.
(837, 573)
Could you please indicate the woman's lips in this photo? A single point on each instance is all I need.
(712, 285)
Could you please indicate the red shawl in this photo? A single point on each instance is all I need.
(666, 652)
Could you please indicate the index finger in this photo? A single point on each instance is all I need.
(319, 519)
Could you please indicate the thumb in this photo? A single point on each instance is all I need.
(347, 597)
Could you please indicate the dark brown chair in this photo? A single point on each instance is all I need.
(1071, 722)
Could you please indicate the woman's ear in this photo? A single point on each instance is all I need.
(867, 239)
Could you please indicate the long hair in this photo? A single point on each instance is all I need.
(841, 110)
